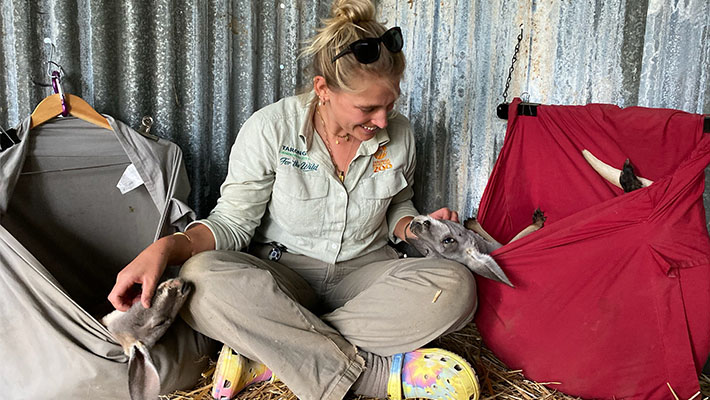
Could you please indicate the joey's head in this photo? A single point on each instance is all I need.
(451, 240)
(147, 325)
(138, 329)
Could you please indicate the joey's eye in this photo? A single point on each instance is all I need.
(448, 240)
(159, 322)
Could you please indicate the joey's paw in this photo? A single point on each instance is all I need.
(539, 217)
(628, 180)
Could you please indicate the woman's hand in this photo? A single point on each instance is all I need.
(403, 232)
(144, 270)
(445, 213)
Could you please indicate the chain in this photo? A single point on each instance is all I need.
(512, 64)
(339, 172)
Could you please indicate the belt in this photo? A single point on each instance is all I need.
(275, 250)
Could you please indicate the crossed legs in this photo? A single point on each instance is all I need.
(262, 309)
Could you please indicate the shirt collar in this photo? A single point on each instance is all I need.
(370, 146)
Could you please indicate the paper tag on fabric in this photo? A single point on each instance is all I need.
(129, 180)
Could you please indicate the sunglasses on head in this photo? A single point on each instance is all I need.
(367, 50)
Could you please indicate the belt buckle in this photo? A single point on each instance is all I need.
(276, 251)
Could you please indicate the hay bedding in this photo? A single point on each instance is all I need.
(496, 380)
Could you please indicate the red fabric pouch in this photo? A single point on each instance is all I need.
(612, 296)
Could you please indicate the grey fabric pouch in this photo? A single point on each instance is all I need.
(66, 230)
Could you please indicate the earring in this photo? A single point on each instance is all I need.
(320, 101)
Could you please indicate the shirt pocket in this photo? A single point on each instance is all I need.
(298, 203)
(377, 193)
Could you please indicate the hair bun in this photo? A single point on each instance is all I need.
(353, 10)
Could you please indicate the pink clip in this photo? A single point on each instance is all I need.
(57, 86)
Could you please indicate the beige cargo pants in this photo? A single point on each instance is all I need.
(306, 319)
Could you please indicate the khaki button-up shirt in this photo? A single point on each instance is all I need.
(281, 186)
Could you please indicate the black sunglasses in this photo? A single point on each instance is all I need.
(367, 50)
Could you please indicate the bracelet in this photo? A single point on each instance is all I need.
(189, 239)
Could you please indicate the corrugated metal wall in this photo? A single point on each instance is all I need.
(200, 68)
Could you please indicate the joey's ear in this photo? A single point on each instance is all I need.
(143, 378)
(485, 265)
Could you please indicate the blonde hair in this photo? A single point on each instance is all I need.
(350, 20)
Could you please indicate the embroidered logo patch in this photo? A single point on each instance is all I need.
(297, 159)
(381, 163)
(381, 152)
(294, 152)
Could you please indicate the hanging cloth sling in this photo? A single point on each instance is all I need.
(65, 232)
(612, 296)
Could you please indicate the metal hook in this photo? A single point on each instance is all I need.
(60, 70)
(51, 55)
(56, 76)
(146, 124)
(50, 61)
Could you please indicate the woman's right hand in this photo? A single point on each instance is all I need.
(144, 270)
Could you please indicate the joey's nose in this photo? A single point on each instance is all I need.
(415, 227)
(173, 283)
(418, 226)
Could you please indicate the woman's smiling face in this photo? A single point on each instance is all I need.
(362, 113)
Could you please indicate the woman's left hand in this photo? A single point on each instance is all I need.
(403, 232)
(445, 213)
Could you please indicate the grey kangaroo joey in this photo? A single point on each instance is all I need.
(468, 244)
(139, 328)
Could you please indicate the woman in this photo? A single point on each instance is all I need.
(316, 186)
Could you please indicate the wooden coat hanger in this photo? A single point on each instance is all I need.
(61, 103)
(51, 107)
